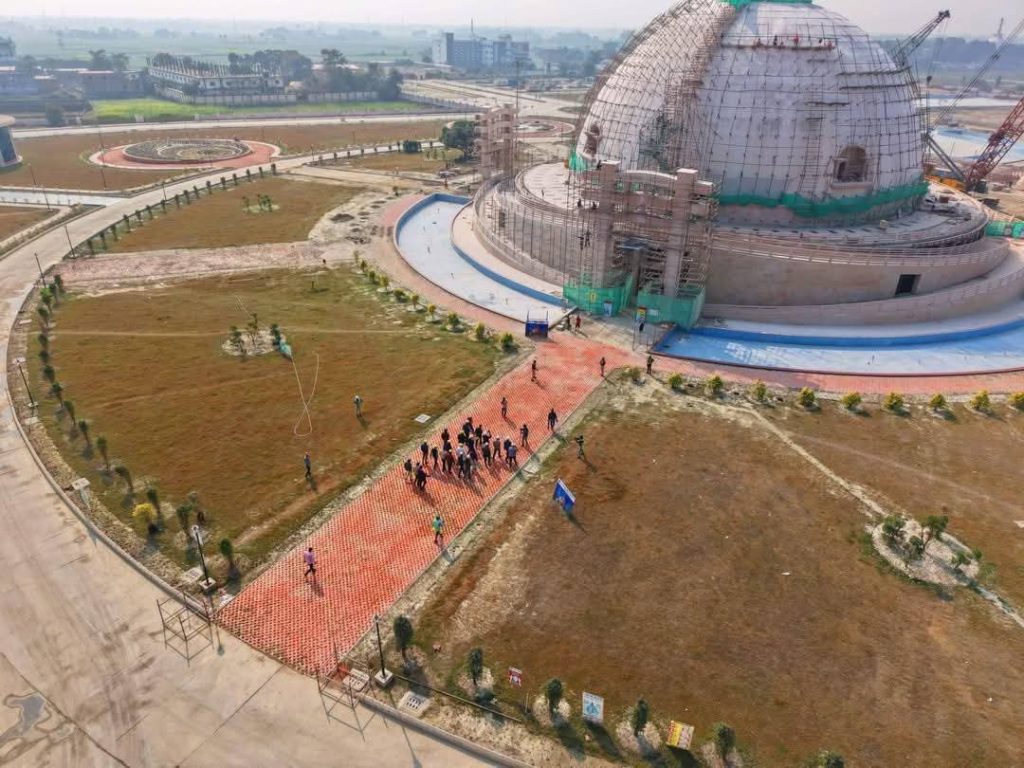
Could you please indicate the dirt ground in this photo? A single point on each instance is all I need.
(396, 161)
(13, 219)
(966, 467)
(62, 161)
(220, 220)
(718, 574)
(149, 371)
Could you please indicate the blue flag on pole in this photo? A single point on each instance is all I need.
(564, 496)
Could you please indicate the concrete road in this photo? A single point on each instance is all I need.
(84, 675)
(241, 122)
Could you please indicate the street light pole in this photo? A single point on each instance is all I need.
(35, 184)
(70, 244)
(198, 536)
(42, 280)
(380, 645)
(31, 400)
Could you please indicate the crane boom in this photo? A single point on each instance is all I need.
(945, 113)
(901, 53)
(999, 143)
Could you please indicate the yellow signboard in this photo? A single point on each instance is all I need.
(679, 735)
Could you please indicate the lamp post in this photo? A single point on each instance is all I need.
(383, 678)
(100, 163)
(70, 244)
(32, 401)
(42, 280)
(207, 583)
(35, 184)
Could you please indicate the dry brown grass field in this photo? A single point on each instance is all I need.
(716, 573)
(62, 161)
(399, 161)
(147, 370)
(13, 219)
(220, 219)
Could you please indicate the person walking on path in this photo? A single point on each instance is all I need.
(533, 370)
(434, 455)
(497, 447)
(524, 436)
(552, 420)
(445, 437)
(579, 447)
(358, 402)
(438, 525)
(310, 560)
(650, 364)
(424, 451)
(602, 363)
(579, 322)
(408, 470)
(504, 408)
(510, 455)
(309, 466)
(421, 478)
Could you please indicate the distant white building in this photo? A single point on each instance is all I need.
(479, 53)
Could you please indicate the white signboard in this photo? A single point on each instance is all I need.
(593, 708)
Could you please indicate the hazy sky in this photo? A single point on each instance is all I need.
(970, 17)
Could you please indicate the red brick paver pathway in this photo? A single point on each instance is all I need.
(373, 549)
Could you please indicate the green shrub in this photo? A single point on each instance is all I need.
(981, 402)
(959, 560)
(724, 738)
(851, 401)
(362, 265)
(399, 295)
(431, 310)
(915, 548)
(938, 402)
(633, 373)
(893, 402)
(508, 342)
(452, 320)
(1017, 400)
(759, 391)
(385, 280)
(414, 298)
(372, 274)
(675, 381)
(828, 759)
(641, 714)
(893, 529)
(480, 332)
(553, 691)
(714, 385)
(807, 398)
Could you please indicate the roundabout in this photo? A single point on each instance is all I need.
(186, 150)
(187, 154)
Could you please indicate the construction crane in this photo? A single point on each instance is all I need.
(901, 53)
(1000, 142)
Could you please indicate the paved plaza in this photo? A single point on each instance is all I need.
(372, 550)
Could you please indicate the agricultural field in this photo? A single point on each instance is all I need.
(158, 110)
(723, 577)
(62, 161)
(13, 219)
(232, 217)
(156, 374)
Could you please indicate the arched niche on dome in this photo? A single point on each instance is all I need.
(851, 165)
(593, 139)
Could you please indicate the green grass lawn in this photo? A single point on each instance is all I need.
(157, 110)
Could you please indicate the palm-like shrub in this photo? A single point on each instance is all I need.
(851, 401)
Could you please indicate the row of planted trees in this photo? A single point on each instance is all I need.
(99, 241)
(894, 402)
(451, 320)
(50, 297)
(720, 740)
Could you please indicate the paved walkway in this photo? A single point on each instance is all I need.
(371, 551)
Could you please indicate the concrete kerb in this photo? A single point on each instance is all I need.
(51, 224)
(495, 758)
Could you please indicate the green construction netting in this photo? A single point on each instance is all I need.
(843, 206)
(594, 300)
(1018, 229)
(576, 163)
(683, 311)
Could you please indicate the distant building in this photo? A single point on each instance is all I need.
(112, 84)
(478, 53)
(8, 155)
(8, 51)
(189, 77)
